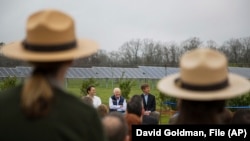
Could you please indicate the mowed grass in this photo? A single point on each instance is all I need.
(105, 88)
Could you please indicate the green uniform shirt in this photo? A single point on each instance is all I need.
(69, 120)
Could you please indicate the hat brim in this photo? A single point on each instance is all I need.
(238, 85)
(84, 48)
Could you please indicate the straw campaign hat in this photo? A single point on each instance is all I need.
(50, 37)
(203, 76)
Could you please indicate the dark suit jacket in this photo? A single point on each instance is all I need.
(151, 104)
(146, 119)
(69, 119)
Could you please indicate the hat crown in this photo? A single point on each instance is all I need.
(203, 66)
(50, 27)
(50, 37)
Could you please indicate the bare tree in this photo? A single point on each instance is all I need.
(211, 44)
(191, 43)
(102, 58)
(235, 49)
(130, 52)
(114, 59)
(175, 53)
(166, 54)
(148, 51)
(152, 53)
(158, 57)
(245, 42)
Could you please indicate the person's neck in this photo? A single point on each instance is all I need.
(90, 95)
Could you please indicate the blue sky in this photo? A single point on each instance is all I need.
(113, 22)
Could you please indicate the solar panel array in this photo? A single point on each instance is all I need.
(5, 72)
(240, 71)
(23, 71)
(79, 73)
(157, 72)
(141, 72)
(116, 72)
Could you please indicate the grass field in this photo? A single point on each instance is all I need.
(105, 88)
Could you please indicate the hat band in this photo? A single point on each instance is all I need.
(213, 87)
(49, 48)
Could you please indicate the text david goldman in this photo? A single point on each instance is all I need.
(168, 132)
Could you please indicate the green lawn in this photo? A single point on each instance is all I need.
(105, 88)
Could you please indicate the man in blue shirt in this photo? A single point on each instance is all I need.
(149, 102)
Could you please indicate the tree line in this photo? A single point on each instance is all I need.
(147, 52)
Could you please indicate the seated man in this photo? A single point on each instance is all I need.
(117, 102)
(91, 92)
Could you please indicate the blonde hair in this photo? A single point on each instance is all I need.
(102, 110)
(37, 93)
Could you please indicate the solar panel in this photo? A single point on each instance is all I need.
(133, 73)
(148, 72)
(245, 72)
(73, 73)
(172, 70)
(5, 71)
(103, 72)
(23, 71)
(119, 72)
(1, 72)
(79, 73)
(13, 72)
(152, 72)
(87, 72)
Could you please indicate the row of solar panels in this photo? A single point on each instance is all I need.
(144, 72)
